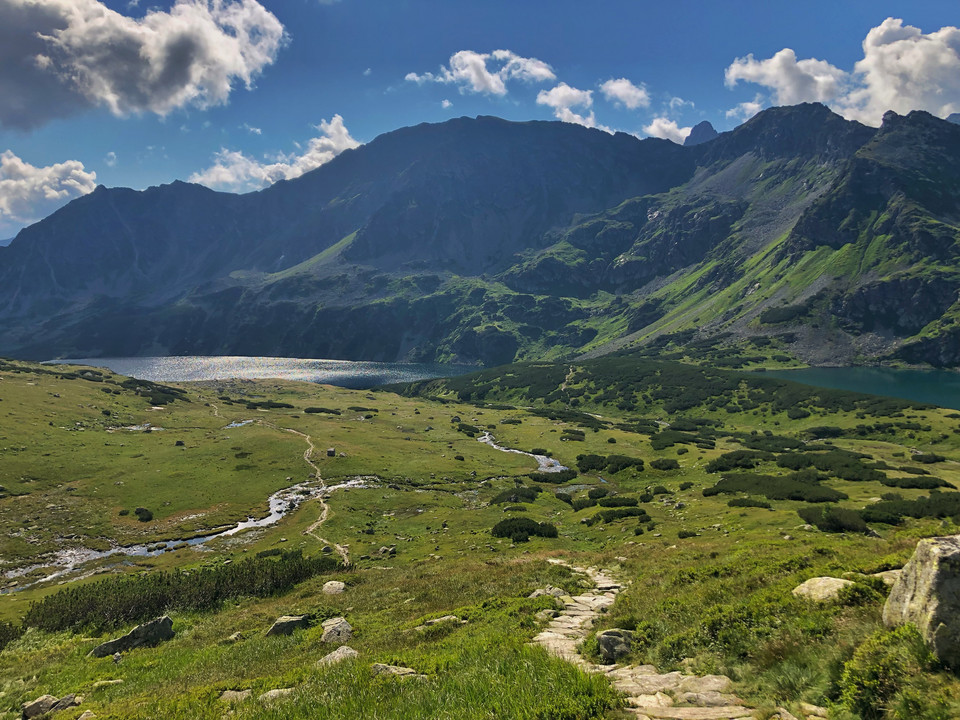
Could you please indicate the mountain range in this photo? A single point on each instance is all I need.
(483, 241)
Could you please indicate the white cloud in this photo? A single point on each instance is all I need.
(28, 193)
(58, 57)
(624, 92)
(238, 172)
(902, 69)
(445, 104)
(661, 127)
(469, 70)
(368, 72)
(251, 129)
(793, 81)
(111, 159)
(746, 110)
(563, 98)
(677, 103)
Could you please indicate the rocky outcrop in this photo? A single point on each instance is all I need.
(48, 704)
(927, 594)
(146, 635)
(821, 589)
(700, 133)
(286, 624)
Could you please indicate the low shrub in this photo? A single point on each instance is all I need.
(597, 493)
(664, 464)
(606, 516)
(618, 501)
(749, 502)
(834, 519)
(521, 529)
(316, 410)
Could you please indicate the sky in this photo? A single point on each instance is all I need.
(237, 94)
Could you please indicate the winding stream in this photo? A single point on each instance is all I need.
(544, 463)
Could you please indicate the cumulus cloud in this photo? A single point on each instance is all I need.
(902, 69)
(563, 98)
(232, 170)
(28, 193)
(746, 110)
(58, 57)
(111, 159)
(661, 127)
(624, 92)
(486, 73)
(446, 104)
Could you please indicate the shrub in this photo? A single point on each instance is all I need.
(738, 459)
(517, 495)
(116, 601)
(520, 529)
(834, 519)
(583, 503)
(555, 478)
(597, 493)
(665, 464)
(927, 458)
(564, 497)
(749, 502)
(8, 633)
(684, 534)
(618, 513)
(880, 668)
(458, 457)
(618, 501)
(774, 487)
(316, 410)
(686, 485)
(143, 515)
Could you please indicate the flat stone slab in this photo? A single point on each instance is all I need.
(733, 712)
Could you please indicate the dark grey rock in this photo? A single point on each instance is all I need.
(145, 635)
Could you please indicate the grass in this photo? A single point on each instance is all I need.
(710, 583)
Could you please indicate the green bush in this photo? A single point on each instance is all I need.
(606, 516)
(618, 501)
(555, 478)
(143, 515)
(597, 493)
(517, 495)
(834, 519)
(749, 502)
(520, 529)
(316, 410)
(881, 668)
(665, 464)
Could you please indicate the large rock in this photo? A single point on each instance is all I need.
(336, 630)
(614, 644)
(334, 587)
(40, 706)
(344, 652)
(927, 594)
(821, 589)
(151, 633)
(398, 671)
(286, 624)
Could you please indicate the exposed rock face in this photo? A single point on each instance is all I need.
(146, 635)
(614, 644)
(336, 630)
(821, 589)
(286, 624)
(927, 594)
(342, 653)
(702, 132)
(41, 705)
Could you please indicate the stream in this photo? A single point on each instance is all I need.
(281, 503)
(544, 463)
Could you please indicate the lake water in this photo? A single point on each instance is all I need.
(344, 373)
(937, 387)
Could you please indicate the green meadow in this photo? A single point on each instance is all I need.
(705, 533)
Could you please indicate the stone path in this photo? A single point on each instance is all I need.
(650, 695)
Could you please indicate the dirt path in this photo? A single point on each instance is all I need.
(650, 694)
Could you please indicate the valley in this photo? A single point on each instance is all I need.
(687, 484)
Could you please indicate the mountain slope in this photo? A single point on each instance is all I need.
(480, 240)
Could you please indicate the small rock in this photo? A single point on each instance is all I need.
(106, 683)
(40, 706)
(548, 590)
(783, 714)
(232, 696)
(286, 624)
(336, 630)
(613, 644)
(334, 587)
(379, 669)
(546, 615)
(339, 655)
(273, 695)
(147, 634)
(815, 710)
(87, 715)
(821, 589)
(235, 638)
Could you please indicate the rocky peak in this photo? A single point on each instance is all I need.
(702, 132)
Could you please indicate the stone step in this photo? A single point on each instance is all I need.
(730, 712)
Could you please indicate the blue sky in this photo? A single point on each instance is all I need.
(92, 93)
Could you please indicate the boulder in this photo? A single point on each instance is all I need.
(927, 594)
(66, 702)
(336, 630)
(286, 624)
(613, 644)
(146, 635)
(548, 590)
(344, 652)
(889, 577)
(821, 589)
(87, 715)
(334, 587)
(40, 706)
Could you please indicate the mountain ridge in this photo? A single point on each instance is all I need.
(485, 241)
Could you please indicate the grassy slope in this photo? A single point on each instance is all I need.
(687, 599)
